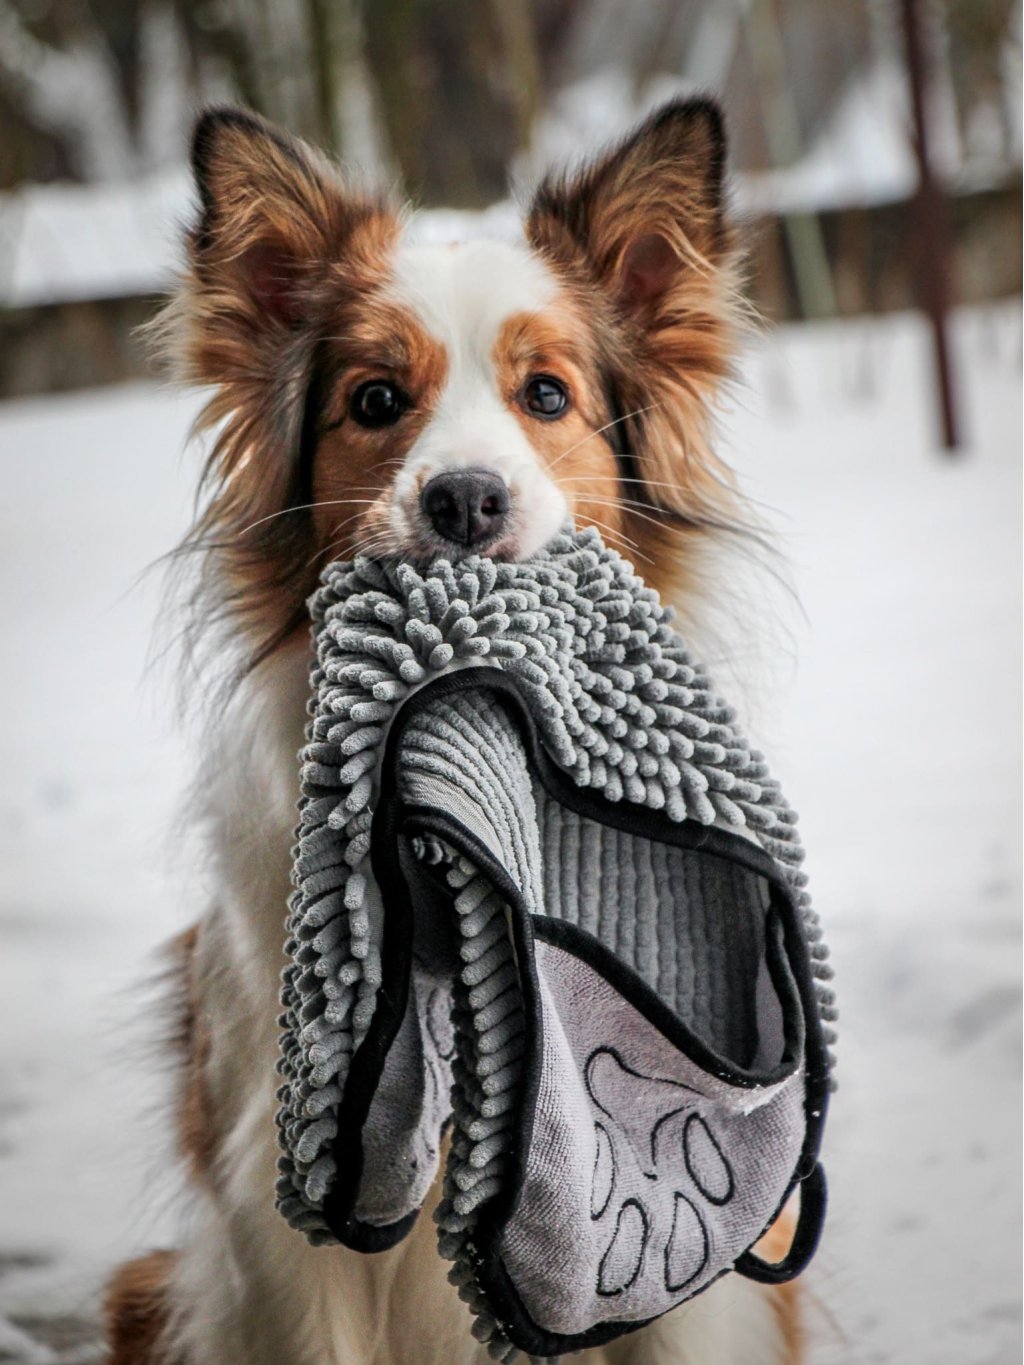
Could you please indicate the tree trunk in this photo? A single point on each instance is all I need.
(458, 85)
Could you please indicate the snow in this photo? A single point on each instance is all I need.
(863, 155)
(63, 243)
(91, 780)
(66, 242)
(896, 734)
(898, 738)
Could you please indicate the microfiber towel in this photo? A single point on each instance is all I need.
(550, 902)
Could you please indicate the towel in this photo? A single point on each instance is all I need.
(548, 902)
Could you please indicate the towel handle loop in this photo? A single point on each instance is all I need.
(809, 1223)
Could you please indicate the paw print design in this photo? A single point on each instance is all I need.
(643, 1118)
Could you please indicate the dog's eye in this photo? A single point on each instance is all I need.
(378, 404)
(545, 397)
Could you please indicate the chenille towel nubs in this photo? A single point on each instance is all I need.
(549, 902)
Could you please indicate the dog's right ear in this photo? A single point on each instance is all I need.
(280, 247)
(273, 217)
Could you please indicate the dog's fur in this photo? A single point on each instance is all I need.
(299, 290)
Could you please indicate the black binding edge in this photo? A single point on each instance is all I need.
(809, 1224)
(392, 818)
(635, 990)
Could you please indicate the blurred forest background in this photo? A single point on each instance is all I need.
(446, 97)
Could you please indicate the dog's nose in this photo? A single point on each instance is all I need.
(467, 506)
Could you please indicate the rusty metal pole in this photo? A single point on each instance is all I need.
(932, 221)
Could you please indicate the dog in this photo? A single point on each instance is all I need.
(371, 394)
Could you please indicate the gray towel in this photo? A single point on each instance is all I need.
(548, 896)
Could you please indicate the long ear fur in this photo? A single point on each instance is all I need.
(280, 247)
(643, 229)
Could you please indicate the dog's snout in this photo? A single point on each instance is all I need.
(467, 506)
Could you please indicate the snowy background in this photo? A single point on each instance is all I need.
(891, 711)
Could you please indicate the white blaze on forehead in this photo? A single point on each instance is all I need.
(462, 294)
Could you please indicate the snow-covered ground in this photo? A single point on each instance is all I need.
(896, 732)
(64, 241)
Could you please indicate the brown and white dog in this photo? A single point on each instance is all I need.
(371, 394)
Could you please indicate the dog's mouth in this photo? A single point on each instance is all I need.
(419, 546)
(457, 516)
(427, 548)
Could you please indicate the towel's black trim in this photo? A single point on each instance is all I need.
(809, 1224)
(635, 990)
(369, 1058)
(392, 819)
(589, 802)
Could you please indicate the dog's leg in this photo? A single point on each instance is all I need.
(137, 1302)
(246, 1287)
(136, 1310)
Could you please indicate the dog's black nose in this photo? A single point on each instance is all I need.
(467, 506)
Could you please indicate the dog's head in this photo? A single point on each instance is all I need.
(378, 395)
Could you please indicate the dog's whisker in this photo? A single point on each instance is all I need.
(666, 519)
(650, 511)
(303, 507)
(346, 521)
(625, 478)
(612, 530)
(746, 498)
(625, 544)
(637, 412)
(606, 503)
(634, 509)
(368, 544)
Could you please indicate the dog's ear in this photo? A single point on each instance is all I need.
(274, 216)
(280, 247)
(642, 231)
(646, 215)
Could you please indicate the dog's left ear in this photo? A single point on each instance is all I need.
(645, 216)
(642, 231)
